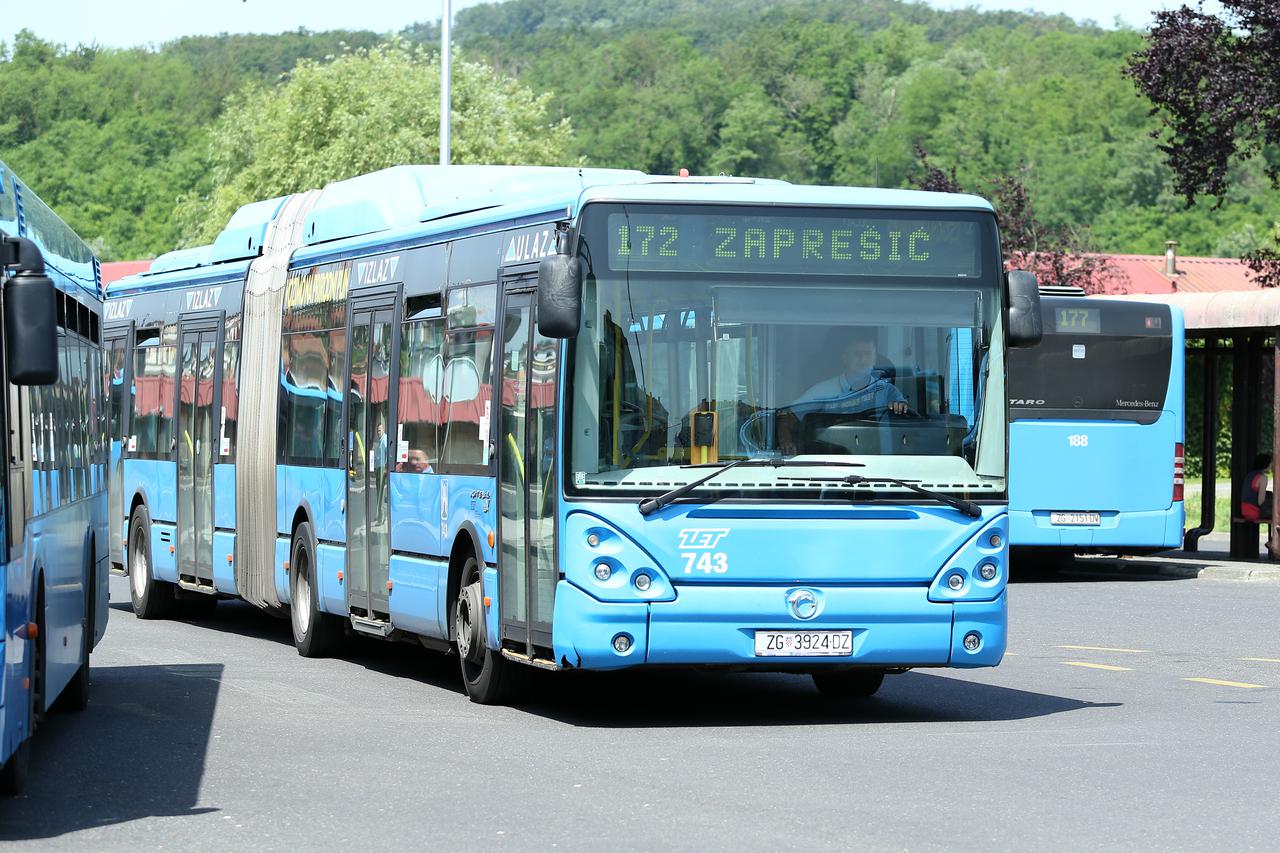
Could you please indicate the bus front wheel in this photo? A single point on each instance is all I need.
(315, 633)
(490, 678)
(849, 683)
(152, 599)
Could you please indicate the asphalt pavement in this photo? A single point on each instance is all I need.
(1134, 712)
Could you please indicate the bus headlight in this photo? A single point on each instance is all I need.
(603, 571)
(642, 582)
(955, 581)
(987, 571)
(972, 641)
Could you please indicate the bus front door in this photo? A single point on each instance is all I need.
(370, 390)
(199, 387)
(116, 383)
(526, 476)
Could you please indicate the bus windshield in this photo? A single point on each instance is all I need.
(1097, 361)
(709, 335)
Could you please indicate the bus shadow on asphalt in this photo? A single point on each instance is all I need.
(395, 660)
(683, 699)
(1090, 570)
(137, 752)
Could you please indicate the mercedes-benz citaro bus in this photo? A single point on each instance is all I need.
(53, 498)
(583, 419)
(1096, 432)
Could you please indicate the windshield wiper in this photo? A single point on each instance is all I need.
(649, 506)
(969, 508)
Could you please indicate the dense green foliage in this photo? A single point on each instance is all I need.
(363, 111)
(830, 91)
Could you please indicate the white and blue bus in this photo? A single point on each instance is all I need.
(53, 495)
(1096, 429)
(582, 419)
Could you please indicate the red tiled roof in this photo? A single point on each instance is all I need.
(116, 270)
(1145, 274)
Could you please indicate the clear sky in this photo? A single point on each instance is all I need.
(124, 23)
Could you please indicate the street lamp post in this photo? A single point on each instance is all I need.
(445, 82)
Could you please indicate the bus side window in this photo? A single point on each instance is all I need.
(466, 383)
(230, 400)
(334, 398)
(304, 397)
(421, 401)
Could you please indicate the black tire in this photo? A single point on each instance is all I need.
(316, 634)
(489, 678)
(152, 599)
(13, 775)
(849, 683)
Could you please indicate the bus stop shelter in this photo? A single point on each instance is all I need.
(1240, 329)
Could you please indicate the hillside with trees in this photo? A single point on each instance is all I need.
(827, 91)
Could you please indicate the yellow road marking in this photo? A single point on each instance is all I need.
(1097, 666)
(1106, 649)
(1264, 660)
(1220, 683)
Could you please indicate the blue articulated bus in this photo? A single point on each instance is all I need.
(1096, 429)
(582, 419)
(53, 496)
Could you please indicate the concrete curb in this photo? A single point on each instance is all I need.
(1172, 567)
(1223, 573)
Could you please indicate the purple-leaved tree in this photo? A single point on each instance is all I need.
(1215, 84)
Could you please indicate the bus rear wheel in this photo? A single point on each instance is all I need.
(315, 633)
(152, 599)
(849, 683)
(490, 679)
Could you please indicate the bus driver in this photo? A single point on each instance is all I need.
(858, 387)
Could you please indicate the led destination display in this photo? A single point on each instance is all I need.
(810, 244)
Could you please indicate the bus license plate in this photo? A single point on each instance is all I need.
(785, 644)
(1077, 518)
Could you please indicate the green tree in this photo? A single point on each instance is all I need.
(362, 111)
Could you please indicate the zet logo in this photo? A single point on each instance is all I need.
(702, 538)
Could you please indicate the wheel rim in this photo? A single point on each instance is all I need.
(138, 568)
(301, 596)
(467, 625)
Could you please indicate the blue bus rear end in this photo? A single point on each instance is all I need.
(1096, 429)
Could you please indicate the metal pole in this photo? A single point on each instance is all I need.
(1208, 446)
(1273, 541)
(446, 83)
(1241, 449)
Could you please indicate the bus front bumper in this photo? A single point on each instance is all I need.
(893, 626)
(1151, 529)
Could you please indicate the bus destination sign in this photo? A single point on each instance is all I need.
(823, 245)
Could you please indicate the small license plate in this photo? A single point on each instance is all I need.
(1077, 518)
(786, 644)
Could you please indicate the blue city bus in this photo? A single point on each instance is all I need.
(1096, 429)
(582, 419)
(53, 497)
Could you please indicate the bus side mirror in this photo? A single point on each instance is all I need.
(1026, 326)
(30, 316)
(559, 296)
